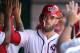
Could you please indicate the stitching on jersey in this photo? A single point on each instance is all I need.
(42, 39)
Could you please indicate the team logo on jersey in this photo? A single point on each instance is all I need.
(53, 48)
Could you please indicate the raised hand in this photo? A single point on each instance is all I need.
(17, 14)
(71, 10)
(17, 8)
(7, 24)
(8, 7)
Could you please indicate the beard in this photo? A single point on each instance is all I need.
(48, 29)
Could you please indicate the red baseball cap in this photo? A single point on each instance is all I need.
(52, 10)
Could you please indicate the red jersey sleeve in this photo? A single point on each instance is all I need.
(15, 38)
(3, 48)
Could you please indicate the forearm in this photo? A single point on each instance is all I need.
(7, 29)
(14, 38)
(65, 36)
(19, 24)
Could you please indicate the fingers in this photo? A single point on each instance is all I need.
(8, 7)
(17, 8)
(72, 4)
(76, 7)
(8, 2)
(20, 5)
(16, 3)
(71, 12)
(67, 7)
(72, 7)
(11, 2)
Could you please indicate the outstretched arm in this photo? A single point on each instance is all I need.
(17, 14)
(72, 18)
(11, 36)
(7, 23)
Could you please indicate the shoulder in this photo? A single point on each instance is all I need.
(29, 31)
(56, 35)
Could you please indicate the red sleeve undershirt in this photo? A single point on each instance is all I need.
(15, 36)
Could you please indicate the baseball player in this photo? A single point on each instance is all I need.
(65, 43)
(44, 39)
(16, 13)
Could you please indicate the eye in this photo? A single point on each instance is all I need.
(52, 17)
(58, 18)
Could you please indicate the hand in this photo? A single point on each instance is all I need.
(17, 14)
(7, 23)
(71, 10)
(17, 8)
(7, 7)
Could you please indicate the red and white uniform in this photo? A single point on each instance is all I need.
(2, 46)
(11, 47)
(35, 41)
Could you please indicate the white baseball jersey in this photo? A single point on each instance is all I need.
(13, 48)
(2, 37)
(37, 42)
(71, 46)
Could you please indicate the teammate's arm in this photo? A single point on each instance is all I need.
(17, 15)
(7, 23)
(15, 36)
(72, 9)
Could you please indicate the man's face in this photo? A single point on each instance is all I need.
(49, 22)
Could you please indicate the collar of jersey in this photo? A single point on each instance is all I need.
(45, 38)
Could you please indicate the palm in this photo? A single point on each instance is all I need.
(7, 7)
(17, 9)
(72, 9)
